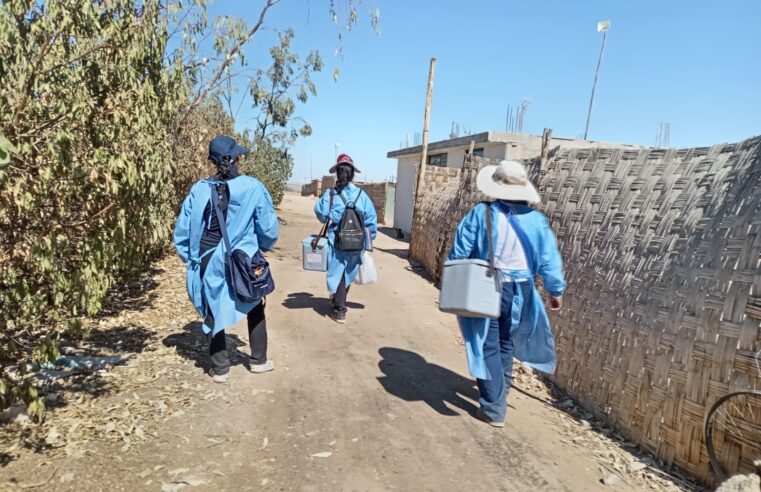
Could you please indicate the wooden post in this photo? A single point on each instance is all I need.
(424, 157)
(546, 138)
(420, 184)
(468, 157)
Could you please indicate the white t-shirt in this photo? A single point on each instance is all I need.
(509, 254)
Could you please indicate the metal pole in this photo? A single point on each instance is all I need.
(426, 123)
(594, 84)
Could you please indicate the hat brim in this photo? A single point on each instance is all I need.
(234, 153)
(519, 193)
(335, 168)
(238, 151)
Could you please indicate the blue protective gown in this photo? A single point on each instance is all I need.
(341, 262)
(251, 225)
(532, 337)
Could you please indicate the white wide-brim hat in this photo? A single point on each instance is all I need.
(507, 181)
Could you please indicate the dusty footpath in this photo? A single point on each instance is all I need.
(384, 402)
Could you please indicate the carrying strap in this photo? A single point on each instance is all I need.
(324, 230)
(490, 241)
(354, 203)
(220, 218)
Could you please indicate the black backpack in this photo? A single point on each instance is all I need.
(350, 235)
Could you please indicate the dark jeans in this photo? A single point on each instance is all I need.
(257, 339)
(498, 355)
(339, 298)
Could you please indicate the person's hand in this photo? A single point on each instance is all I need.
(556, 303)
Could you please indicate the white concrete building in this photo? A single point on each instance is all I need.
(451, 153)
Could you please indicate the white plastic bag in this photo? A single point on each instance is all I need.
(367, 273)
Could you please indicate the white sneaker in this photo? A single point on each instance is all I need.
(219, 378)
(260, 368)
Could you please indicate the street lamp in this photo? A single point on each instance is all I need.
(602, 27)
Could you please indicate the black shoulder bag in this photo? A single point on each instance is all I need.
(250, 278)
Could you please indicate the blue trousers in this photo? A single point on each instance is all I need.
(498, 355)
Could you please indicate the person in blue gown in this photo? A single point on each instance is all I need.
(343, 265)
(252, 226)
(524, 246)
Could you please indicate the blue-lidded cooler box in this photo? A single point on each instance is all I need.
(467, 289)
(316, 260)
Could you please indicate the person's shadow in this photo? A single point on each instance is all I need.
(320, 305)
(192, 344)
(410, 377)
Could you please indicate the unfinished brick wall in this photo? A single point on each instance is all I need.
(328, 181)
(661, 248)
(312, 189)
(438, 177)
(378, 193)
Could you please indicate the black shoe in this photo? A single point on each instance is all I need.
(339, 317)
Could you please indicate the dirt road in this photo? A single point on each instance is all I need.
(382, 403)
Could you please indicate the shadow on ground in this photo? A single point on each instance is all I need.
(404, 253)
(82, 362)
(393, 234)
(121, 339)
(80, 372)
(401, 253)
(418, 269)
(413, 266)
(193, 344)
(131, 294)
(320, 305)
(409, 376)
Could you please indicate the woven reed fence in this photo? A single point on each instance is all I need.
(662, 251)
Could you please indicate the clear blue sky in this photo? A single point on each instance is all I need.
(695, 64)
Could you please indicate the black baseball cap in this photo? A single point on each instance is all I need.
(224, 146)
